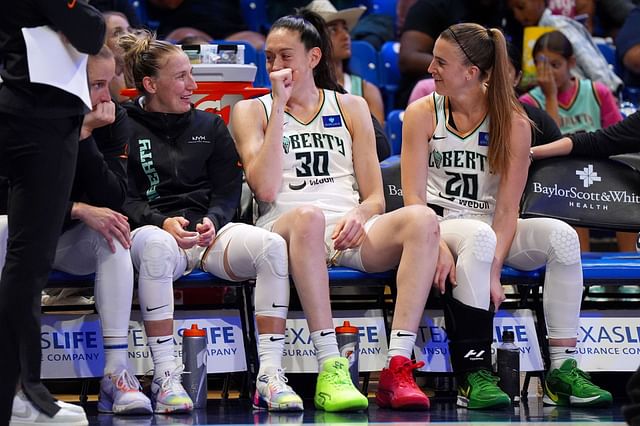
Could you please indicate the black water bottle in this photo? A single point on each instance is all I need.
(509, 366)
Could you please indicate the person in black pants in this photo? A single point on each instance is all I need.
(39, 133)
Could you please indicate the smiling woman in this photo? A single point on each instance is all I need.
(184, 188)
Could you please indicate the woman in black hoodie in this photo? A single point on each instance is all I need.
(184, 188)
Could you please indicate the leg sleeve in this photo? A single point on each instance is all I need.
(553, 243)
(245, 252)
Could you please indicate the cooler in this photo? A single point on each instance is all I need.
(220, 86)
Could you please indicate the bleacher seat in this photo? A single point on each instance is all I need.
(364, 61)
(254, 13)
(608, 50)
(384, 7)
(389, 72)
(393, 128)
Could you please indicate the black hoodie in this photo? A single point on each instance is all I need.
(181, 165)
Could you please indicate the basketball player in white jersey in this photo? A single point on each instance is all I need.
(309, 156)
(466, 152)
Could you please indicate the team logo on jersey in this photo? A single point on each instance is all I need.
(286, 144)
(436, 157)
(329, 121)
(483, 139)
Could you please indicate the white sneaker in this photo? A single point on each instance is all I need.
(120, 394)
(25, 413)
(169, 394)
(274, 394)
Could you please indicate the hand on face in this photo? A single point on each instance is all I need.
(281, 84)
(545, 77)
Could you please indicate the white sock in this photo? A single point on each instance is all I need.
(162, 352)
(270, 347)
(326, 345)
(401, 343)
(559, 354)
(115, 354)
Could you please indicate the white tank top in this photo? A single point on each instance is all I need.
(318, 167)
(459, 180)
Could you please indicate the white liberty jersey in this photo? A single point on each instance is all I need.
(459, 180)
(318, 165)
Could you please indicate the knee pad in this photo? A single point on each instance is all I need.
(470, 332)
(274, 255)
(158, 259)
(565, 244)
(484, 243)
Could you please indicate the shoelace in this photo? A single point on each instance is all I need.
(278, 382)
(171, 379)
(405, 373)
(340, 377)
(483, 379)
(580, 377)
(126, 381)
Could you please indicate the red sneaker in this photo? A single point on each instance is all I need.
(397, 387)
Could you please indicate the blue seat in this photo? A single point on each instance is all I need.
(364, 61)
(389, 72)
(608, 50)
(254, 13)
(393, 128)
(384, 7)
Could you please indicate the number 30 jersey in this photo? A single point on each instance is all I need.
(318, 165)
(459, 179)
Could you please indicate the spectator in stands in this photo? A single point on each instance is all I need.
(427, 19)
(117, 25)
(308, 154)
(620, 138)
(96, 237)
(39, 129)
(576, 105)
(628, 48)
(584, 10)
(473, 171)
(188, 35)
(184, 188)
(340, 23)
(125, 7)
(402, 9)
(590, 62)
(222, 19)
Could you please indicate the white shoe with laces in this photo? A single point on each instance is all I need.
(120, 394)
(168, 393)
(24, 412)
(274, 394)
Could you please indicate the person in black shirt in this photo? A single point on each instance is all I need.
(39, 132)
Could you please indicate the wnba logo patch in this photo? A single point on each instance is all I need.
(329, 121)
(483, 139)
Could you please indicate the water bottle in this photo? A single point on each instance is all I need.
(349, 347)
(194, 358)
(509, 366)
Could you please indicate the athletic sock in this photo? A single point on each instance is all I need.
(162, 352)
(326, 345)
(115, 354)
(559, 354)
(270, 347)
(401, 343)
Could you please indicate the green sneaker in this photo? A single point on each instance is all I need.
(335, 390)
(480, 390)
(568, 385)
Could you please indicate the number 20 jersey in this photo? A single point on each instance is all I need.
(318, 165)
(459, 179)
